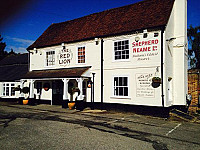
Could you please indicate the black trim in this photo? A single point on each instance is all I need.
(102, 74)
(162, 86)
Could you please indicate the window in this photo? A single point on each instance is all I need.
(12, 86)
(120, 86)
(8, 89)
(81, 55)
(50, 58)
(121, 50)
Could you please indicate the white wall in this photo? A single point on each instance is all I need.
(180, 52)
(139, 64)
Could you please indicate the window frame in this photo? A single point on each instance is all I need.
(114, 86)
(77, 58)
(47, 59)
(7, 89)
(120, 40)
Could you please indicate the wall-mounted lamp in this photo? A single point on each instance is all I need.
(137, 38)
(63, 45)
(35, 50)
(96, 41)
(145, 33)
(168, 40)
(30, 52)
(156, 34)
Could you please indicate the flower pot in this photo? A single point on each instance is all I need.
(71, 105)
(25, 101)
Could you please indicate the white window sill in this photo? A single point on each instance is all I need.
(120, 97)
(121, 60)
(7, 96)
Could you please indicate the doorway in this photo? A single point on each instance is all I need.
(57, 92)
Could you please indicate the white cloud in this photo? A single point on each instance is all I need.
(16, 49)
(17, 44)
(19, 40)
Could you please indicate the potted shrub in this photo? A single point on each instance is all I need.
(46, 86)
(156, 81)
(72, 102)
(25, 90)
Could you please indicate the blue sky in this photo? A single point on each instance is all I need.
(23, 27)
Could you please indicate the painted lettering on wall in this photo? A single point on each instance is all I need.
(64, 57)
(145, 50)
(144, 88)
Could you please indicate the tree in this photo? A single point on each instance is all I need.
(194, 46)
(2, 47)
(12, 52)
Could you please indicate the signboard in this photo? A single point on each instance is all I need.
(143, 85)
(145, 50)
(64, 57)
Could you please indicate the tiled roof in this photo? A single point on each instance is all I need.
(13, 67)
(56, 73)
(142, 15)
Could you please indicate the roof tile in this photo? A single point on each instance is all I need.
(142, 15)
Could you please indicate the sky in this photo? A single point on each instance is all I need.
(22, 23)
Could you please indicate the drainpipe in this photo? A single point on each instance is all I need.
(162, 86)
(102, 74)
(93, 74)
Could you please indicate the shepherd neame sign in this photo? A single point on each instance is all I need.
(144, 50)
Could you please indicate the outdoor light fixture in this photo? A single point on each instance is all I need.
(35, 50)
(156, 34)
(137, 38)
(63, 45)
(96, 40)
(168, 40)
(145, 33)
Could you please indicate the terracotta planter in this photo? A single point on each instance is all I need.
(25, 102)
(71, 105)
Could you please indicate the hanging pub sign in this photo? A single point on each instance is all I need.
(64, 57)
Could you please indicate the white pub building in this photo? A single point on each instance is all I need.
(133, 55)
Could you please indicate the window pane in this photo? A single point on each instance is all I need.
(7, 91)
(120, 91)
(125, 91)
(115, 81)
(117, 91)
(120, 81)
(125, 81)
(4, 90)
(12, 91)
